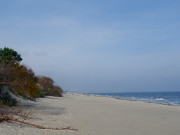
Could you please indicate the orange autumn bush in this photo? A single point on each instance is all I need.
(25, 82)
(48, 87)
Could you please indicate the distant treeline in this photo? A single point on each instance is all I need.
(21, 80)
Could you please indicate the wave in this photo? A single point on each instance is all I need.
(171, 98)
(160, 99)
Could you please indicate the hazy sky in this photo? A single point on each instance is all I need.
(97, 45)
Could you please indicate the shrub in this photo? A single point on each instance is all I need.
(41, 94)
(48, 87)
(6, 99)
(25, 82)
(55, 91)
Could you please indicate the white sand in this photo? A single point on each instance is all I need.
(94, 115)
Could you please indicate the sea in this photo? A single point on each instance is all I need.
(169, 98)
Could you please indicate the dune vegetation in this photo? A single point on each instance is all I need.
(21, 80)
(18, 80)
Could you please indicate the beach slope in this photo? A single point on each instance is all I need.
(96, 115)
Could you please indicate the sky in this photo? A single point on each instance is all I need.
(97, 45)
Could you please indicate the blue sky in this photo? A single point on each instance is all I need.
(97, 45)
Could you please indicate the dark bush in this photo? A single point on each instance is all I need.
(6, 99)
(55, 91)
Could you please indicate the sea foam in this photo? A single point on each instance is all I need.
(160, 99)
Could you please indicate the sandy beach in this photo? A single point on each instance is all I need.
(95, 115)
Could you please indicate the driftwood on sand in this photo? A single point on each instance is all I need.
(38, 126)
(10, 115)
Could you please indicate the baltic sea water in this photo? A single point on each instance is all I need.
(170, 98)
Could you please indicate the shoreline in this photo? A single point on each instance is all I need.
(97, 115)
(114, 97)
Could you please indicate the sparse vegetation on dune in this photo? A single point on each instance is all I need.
(21, 80)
